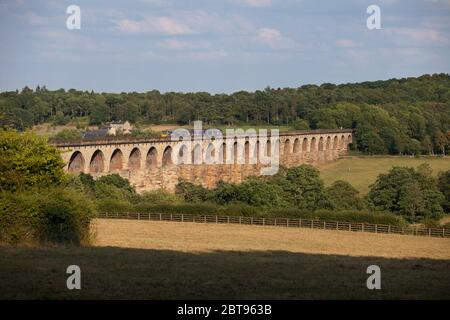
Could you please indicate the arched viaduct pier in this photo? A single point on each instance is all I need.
(151, 164)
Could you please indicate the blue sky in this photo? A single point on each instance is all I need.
(218, 45)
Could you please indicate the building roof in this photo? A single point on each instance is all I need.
(95, 134)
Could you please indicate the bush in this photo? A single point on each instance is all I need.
(158, 196)
(112, 187)
(53, 215)
(26, 160)
(191, 192)
(306, 188)
(343, 196)
(117, 181)
(242, 210)
(345, 216)
(444, 187)
(407, 192)
(114, 206)
(187, 208)
(431, 223)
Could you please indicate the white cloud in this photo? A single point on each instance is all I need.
(183, 22)
(273, 39)
(156, 25)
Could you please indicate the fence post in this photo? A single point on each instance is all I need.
(443, 232)
(429, 232)
(349, 226)
(128, 215)
(182, 217)
(389, 228)
(217, 219)
(337, 225)
(275, 222)
(264, 221)
(228, 219)
(300, 223)
(139, 216)
(171, 217)
(324, 225)
(376, 228)
(240, 220)
(160, 217)
(363, 227)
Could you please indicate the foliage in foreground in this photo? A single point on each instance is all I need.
(36, 204)
(49, 215)
(26, 160)
(411, 193)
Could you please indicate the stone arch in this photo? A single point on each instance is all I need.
(335, 142)
(76, 162)
(210, 154)
(349, 138)
(134, 161)
(247, 152)
(97, 163)
(223, 153)
(328, 145)
(183, 155)
(116, 161)
(167, 157)
(151, 160)
(342, 142)
(305, 145)
(321, 144)
(296, 145)
(312, 147)
(287, 147)
(197, 155)
(256, 152)
(235, 152)
(269, 148)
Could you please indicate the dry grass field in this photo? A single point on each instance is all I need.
(361, 171)
(167, 260)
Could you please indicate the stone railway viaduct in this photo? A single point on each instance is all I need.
(156, 163)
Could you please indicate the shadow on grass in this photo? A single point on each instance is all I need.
(124, 273)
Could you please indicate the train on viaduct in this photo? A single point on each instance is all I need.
(151, 164)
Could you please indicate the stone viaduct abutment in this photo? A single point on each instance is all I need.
(161, 163)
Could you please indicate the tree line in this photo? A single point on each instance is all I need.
(397, 116)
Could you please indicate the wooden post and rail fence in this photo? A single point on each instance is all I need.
(283, 222)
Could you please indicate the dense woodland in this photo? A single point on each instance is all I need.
(397, 116)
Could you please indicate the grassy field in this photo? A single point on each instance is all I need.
(362, 171)
(164, 260)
